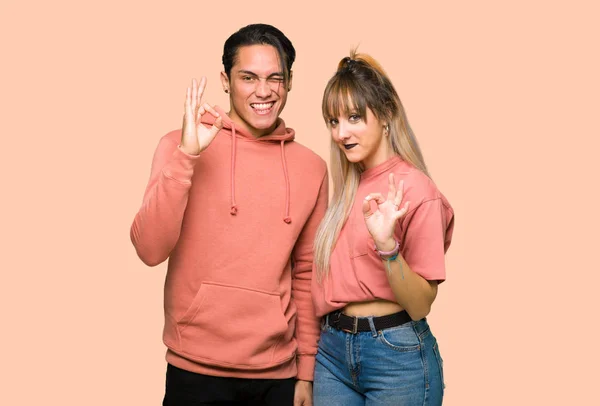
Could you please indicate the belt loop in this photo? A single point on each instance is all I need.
(420, 326)
(372, 325)
(338, 314)
(354, 329)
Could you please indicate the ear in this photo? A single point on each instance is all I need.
(225, 82)
(289, 86)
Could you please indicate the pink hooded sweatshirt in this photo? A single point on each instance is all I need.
(237, 223)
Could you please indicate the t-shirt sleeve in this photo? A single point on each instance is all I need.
(426, 238)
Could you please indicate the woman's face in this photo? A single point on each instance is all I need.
(362, 139)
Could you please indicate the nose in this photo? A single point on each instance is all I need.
(343, 130)
(263, 89)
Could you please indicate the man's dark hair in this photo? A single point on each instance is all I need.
(259, 34)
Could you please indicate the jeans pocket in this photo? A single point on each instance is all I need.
(440, 363)
(402, 338)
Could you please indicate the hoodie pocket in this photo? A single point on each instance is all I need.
(232, 326)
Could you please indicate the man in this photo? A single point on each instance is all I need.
(234, 203)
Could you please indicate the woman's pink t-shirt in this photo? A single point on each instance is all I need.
(356, 272)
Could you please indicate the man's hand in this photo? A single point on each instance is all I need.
(195, 138)
(303, 394)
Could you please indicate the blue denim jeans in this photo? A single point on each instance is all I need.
(398, 366)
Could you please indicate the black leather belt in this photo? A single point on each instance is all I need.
(353, 325)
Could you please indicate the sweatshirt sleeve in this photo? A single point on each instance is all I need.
(427, 238)
(157, 224)
(307, 323)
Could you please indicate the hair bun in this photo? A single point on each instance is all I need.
(347, 63)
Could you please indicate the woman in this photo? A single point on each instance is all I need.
(379, 251)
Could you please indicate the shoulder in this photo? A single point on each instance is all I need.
(172, 137)
(418, 187)
(298, 154)
(168, 143)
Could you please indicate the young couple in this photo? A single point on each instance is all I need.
(272, 296)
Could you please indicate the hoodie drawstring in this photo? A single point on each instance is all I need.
(233, 150)
(287, 217)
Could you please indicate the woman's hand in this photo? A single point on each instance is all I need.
(382, 222)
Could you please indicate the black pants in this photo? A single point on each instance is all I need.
(184, 388)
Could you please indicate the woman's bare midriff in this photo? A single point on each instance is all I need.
(372, 308)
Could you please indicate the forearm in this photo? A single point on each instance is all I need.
(307, 324)
(307, 327)
(423, 245)
(157, 225)
(414, 293)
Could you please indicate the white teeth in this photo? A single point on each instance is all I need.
(262, 106)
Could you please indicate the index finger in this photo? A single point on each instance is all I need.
(391, 187)
(201, 88)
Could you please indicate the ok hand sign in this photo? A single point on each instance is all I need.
(382, 221)
(195, 137)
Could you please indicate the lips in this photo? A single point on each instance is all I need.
(349, 146)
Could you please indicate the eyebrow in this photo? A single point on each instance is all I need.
(247, 72)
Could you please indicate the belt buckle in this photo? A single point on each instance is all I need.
(354, 326)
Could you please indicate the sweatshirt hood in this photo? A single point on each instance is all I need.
(280, 135)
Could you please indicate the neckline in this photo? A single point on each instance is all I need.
(382, 167)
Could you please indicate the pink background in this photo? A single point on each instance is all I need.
(503, 98)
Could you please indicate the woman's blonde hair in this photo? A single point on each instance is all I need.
(359, 83)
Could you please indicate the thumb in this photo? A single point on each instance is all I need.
(366, 207)
(216, 127)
